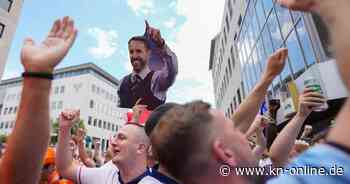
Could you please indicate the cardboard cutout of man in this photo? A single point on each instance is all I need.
(154, 71)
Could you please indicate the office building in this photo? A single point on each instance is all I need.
(9, 15)
(255, 30)
(86, 87)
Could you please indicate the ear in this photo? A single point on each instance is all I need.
(142, 148)
(222, 154)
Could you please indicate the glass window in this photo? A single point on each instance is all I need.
(89, 120)
(5, 111)
(99, 123)
(295, 55)
(6, 5)
(239, 20)
(60, 105)
(245, 82)
(10, 110)
(56, 89)
(95, 122)
(261, 54)
(249, 77)
(268, 4)
(258, 61)
(275, 31)
(229, 67)
(6, 125)
(2, 28)
(260, 13)
(93, 88)
(227, 23)
(296, 15)
(285, 20)
(104, 125)
(250, 38)
(15, 110)
(2, 125)
(254, 23)
(109, 126)
(232, 58)
(254, 67)
(266, 38)
(286, 72)
(230, 8)
(112, 127)
(62, 89)
(306, 43)
(53, 105)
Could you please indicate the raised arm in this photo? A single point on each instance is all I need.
(79, 139)
(285, 140)
(257, 127)
(167, 74)
(336, 14)
(97, 153)
(64, 159)
(28, 142)
(249, 108)
(260, 144)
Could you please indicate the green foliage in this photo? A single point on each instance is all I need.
(3, 138)
(55, 129)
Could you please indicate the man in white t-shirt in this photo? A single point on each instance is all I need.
(129, 164)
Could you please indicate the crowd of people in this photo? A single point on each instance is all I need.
(187, 143)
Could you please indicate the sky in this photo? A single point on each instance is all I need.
(104, 29)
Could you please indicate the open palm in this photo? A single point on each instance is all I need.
(46, 55)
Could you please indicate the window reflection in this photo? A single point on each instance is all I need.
(275, 31)
(268, 4)
(295, 55)
(306, 43)
(285, 20)
(260, 13)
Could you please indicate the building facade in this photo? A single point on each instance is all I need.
(86, 87)
(9, 15)
(262, 28)
(226, 71)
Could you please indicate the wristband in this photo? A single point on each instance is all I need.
(41, 75)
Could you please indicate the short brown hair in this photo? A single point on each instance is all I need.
(141, 39)
(179, 140)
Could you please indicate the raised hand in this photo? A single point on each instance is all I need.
(308, 101)
(45, 56)
(97, 144)
(68, 118)
(137, 111)
(79, 138)
(275, 63)
(155, 35)
(300, 5)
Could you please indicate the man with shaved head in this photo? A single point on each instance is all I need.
(129, 147)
